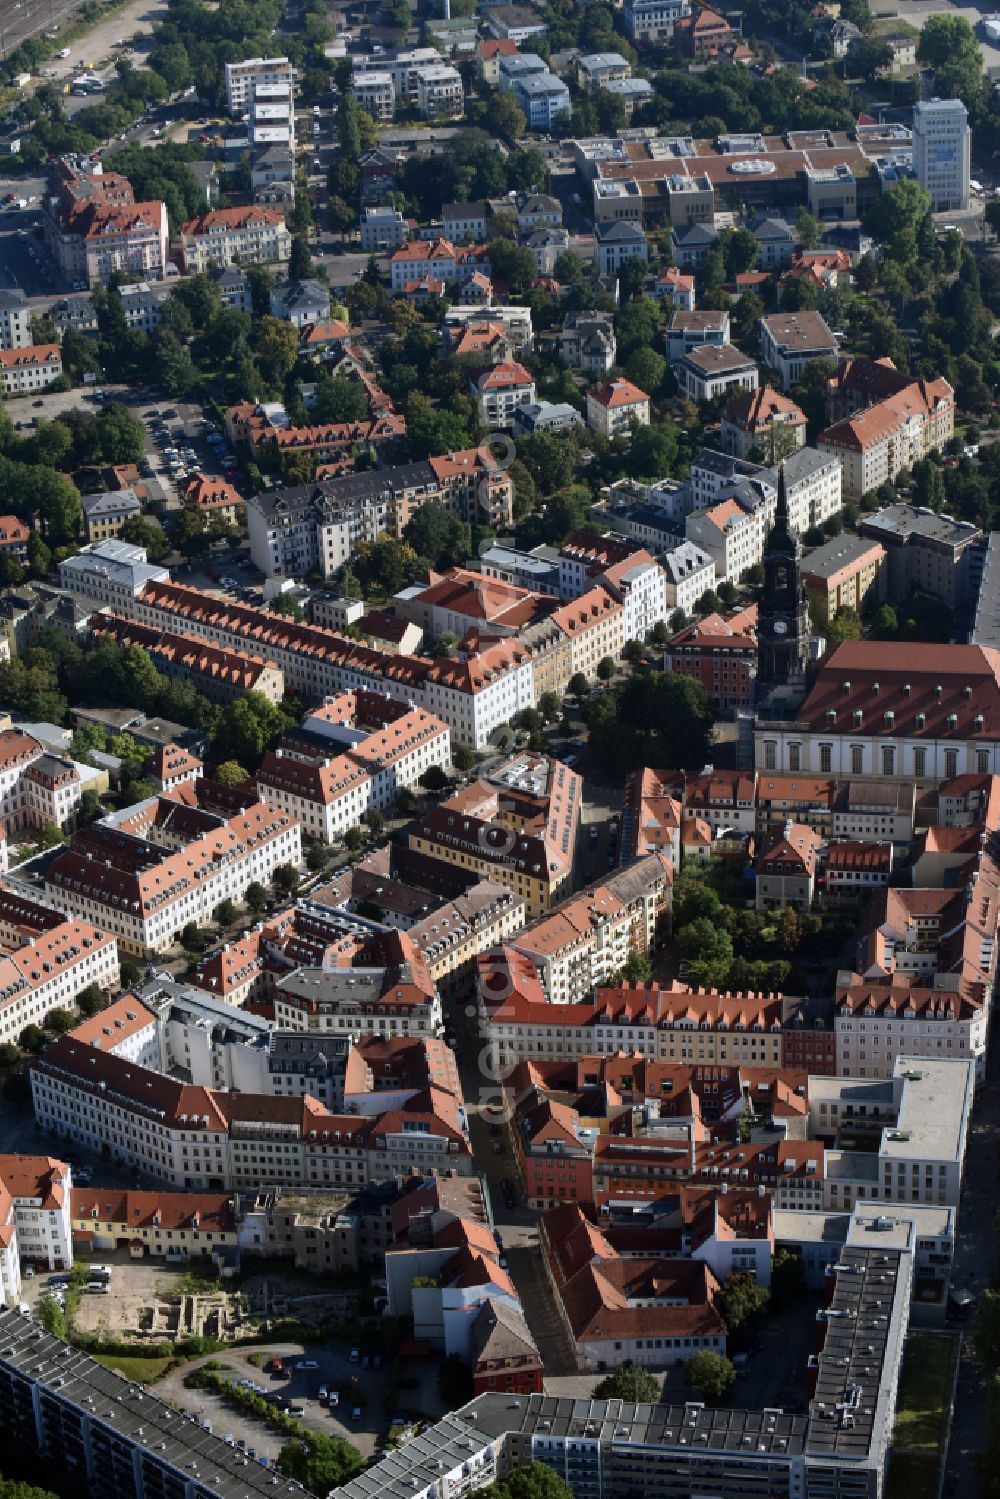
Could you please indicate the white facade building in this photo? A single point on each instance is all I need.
(242, 77)
(942, 147)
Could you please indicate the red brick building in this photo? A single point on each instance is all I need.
(721, 653)
(504, 1355)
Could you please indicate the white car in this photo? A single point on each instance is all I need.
(306, 1363)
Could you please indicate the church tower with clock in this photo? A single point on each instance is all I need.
(783, 642)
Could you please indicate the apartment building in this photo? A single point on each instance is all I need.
(721, 653)
(848, 572)
(473, 692)
(314, 527)
(654, 20)
(875, 444)
(786, 868)
(104, 514)
(501, 390)
(127, 876)
(813, 488)
(29, 368)
(439, 259)
(924, 552)
(383, 229)
(386, 990)
(612, 1447)
(615, 406)
(35, 1213)
(251, 235)
(48, 970)
(109, 573)
(594, 625)
(93, 226)
(202, 1139)
(375, 93)
(15, 319)
(243, 77)
(355, 753)
(693, 330)
(518, 826)
(271, 121)
(790, 340)
(615, 242)
(220, 675)
(585, 940)
(544, 98)
(440, 92)
(733, 531)
(673, 1023)
(688, 571)
(942, 145)
(711, 370)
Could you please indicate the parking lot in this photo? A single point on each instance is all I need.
(332, 1369)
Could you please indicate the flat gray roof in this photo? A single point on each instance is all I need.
(168, 1437)
(933, 1111)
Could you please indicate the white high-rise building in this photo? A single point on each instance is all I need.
(271, 120)
(941, 152)
(241, 77)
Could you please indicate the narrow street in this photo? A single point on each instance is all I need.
(975, 1261)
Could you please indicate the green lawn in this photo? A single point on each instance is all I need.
(142, 1370)
(925, 1387)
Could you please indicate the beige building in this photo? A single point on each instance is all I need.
(615, 407)
(844, 573)
(594, 625)
(226, 236)
(876, 444)
(27, 370)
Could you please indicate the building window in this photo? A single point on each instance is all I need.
(857, 759)
(983, 762)
(795, 757)
(770, 755)
(950, 764)
(919, 762)
(888, 760)
(826, 757)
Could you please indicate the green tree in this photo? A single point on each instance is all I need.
(463, 758)
(637, 970)
(707, 950)
(629, 1382)
(549, 706)
(32, 1038)
(121, 435)
(948, 45)
(285, 879)
(439, 536)
(808, 229)
(59, 1020)
(605, 669)
(51, 1316)
(433, 779)
(255, 898)
(300, 264)
(226, 913)
(743, 1303)
(319, 1462)
(317, 857)
(192, 939)
(141, 531)
(231, 773)
(535, 1480)
(92, 1000)
(711, 1376)
(375, 821)
(578, 686)
(339, 399)
(354, 838)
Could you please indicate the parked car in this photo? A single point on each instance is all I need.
(306, 1363)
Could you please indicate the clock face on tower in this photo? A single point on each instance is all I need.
(780, 628)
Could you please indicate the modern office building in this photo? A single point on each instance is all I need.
(942, 148)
